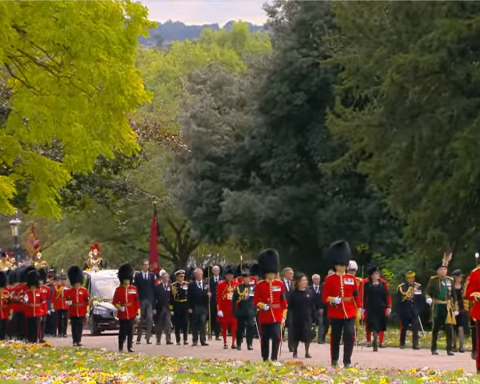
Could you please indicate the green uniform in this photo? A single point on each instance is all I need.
(444, 304)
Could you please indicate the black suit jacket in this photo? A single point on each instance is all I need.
(198, 298)
(162, 297)
(145, 287)
(287, 291)
(317, 297)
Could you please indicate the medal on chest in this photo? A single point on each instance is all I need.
(229, 292)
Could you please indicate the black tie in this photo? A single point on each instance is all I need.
(164, 286)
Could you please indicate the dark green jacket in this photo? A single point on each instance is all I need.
(243, 301)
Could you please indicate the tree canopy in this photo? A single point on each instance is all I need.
(69, 69)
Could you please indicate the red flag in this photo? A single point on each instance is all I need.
(153, 257)
(33, 245)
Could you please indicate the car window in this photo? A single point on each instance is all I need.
(103, 287)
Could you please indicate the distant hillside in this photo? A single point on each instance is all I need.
(170, 31)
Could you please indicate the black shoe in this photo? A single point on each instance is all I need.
(149, 342)
(295, 355)
(233, 346)
(217, 338)
(204, 344)
(194, 344)
(454, 350)
(381, 345)
(434, 353)
(250, 348)
(159, 343)
(346, 366)
(416, 347)
(450, 353)
(473, 356)
(130, 350)
(335, 363)
(120, 347)
(225, 346)
(169, 343)
(138, 342)
(239, 347)
(185, 342)
(308, 356)
(178, 343)
(79, 345)
(290, 350)
(64, 336)
(59, 336)
(402, 346)
(461, 350)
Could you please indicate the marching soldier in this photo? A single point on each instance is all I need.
(472, 293)
(33, 301)
(225, 316)
(77, 301)
(60, 306)
(244, 310)
(5, 309)
(270, 299)
(341, 294)
(409, 301)
(125, 299)
(179, 306)
(440, 295)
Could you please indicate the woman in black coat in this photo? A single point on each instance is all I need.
(375, 303)
(301, 306)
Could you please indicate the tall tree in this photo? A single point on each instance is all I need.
(70, 70)
(409, 108)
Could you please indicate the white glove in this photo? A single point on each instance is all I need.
(429, 301)
(122, 309)
(362, 312)
(389, 310)
(49, 312)
(220, 314)
(10, 317)
(52, 310)
(25, 299)
(69, 302)
(337, 301)
(138, 317)
(455, 313)
(87, 315)
(172, 313)
(266, 307)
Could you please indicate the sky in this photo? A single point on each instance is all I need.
(206, 11)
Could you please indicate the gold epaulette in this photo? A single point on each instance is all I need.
(399, 285)
(449, 277)
(434, 277)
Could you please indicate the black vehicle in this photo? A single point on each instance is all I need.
(101, 286)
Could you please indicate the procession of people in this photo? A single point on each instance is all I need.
(238, 303)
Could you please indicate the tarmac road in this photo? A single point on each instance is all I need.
(394, 358)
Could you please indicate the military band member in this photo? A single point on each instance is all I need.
(472, 293)
(125, 299)
(60, 306)
(33, 301)
(6, 312)
(340, 292)
(270, 299)
(244, 310)
(225, 316)
(179, 306)
(78, 303)
(440, 295)
(409, 303)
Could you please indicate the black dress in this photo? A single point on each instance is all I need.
(301, 308)
(375, 303)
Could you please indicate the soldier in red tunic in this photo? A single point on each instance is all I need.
(472, 292)
(340, 293)
(225, 290)
(126, 301)
(5, 310)
(271, 302)
(45, 310)
(77, 301)
(33, 301)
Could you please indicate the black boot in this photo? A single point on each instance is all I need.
(120, 346)
(295, 354)
(375, 341)
(307, 354)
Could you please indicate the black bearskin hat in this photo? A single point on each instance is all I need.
(75, 275)
(340, 253)
(43, 275)
(372, 269)
(254, 270)
(33, 278)
(125, 272)
(3, 279)
(268, 261)
(229, 270)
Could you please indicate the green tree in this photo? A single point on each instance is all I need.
(409, 108)
(70, 70)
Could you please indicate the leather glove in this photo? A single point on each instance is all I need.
(455, 313)
(220, 314)
(337, 301)
(266, 307)
(429, 301)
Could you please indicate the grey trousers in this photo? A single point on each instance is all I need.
(164, 325)
(146, 313)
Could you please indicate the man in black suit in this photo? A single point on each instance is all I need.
(214, 280)
(288, 281)
(198, 296)
(161, 309)
(145, 283)
(317, 291)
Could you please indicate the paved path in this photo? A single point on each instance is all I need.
(363, 357)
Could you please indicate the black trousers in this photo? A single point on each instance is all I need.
(33, 324)
(77, 329)
(245, 324)
(62, 316)
(51, 328)
(126, 332)
(270, 332)
(325, 328)
(180, 323)
(3, 329)
(216, 328)
(43, 326)
(404, 323)
(345, 327)
(199, 326)
(18, 325)
(473, 331)
(440, 321)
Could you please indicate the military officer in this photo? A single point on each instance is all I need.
(179, 306)
(244, 310)
(77, 299)
(409, 301)
(440, 295)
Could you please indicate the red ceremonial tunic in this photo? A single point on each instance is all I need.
(472, 293)
(271, 294)
(33, 302)
(126, 297)
(344, 287)
(15, 303)
(45, 293)
(21, 290)
(79, 298)
(224, 299)
(4, 303)
(59, 297)
(253, 280)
